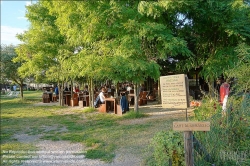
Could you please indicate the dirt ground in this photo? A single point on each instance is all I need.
(65, 153)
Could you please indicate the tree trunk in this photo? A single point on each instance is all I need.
(117, 89)
(136, 91)
(21, 88)
(61, 88)
(91, 93)
(211, 87)
(71, 89)
(21, 91)
(159, 92)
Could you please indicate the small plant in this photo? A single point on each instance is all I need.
(134, 115)
(89, 110)
(168, 148)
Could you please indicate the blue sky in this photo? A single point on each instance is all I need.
(13, 20)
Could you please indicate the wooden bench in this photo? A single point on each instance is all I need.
(117, 109)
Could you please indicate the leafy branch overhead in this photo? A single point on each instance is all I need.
(132, 40)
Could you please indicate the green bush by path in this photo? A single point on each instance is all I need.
(168, 149)
(228, 140)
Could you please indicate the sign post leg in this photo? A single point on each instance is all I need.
(186, 114)
(188, 146)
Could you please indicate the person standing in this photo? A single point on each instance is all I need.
(14, 87)
(123, 103)
(56, 90)
(224, 93)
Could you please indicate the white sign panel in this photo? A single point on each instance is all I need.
(174, 91)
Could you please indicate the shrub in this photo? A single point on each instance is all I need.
(229, 133)
(168, 147)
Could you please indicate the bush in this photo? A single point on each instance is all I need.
(168, 147)
(229, 136)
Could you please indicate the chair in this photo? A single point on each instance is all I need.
(46, 98)
(74, 100)
(9, 94)
(15, 94)
(12, 94)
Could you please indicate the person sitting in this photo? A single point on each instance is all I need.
(100, 98)
(66, 89)
(129, 87)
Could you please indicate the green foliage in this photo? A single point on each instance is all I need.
(208, 108)
(229, 132)
(44, 51)
(240, 70)
(101, 152)
(168, 147)
(228, 139)
(211, 36)
(9, 67)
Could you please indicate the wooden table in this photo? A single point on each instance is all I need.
(116, 107)
(107, 100)
(83, 100)
(130, 97)
(55, 97)
(67, 99)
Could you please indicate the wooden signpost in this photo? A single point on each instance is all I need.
(188, 127)
(175, 94)
(191, 126)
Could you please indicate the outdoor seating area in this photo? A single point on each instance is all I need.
(116, 98)
(13, 94)
(78, 99)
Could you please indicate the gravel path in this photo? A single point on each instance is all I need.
(64, 153)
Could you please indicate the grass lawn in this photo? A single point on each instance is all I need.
(102, 134)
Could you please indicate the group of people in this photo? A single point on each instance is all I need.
(76, 89)
(100, 99)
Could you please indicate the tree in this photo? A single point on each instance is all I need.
(116, 39)
(240, 71)
(45, 52)
(213, 29)
(9, 68)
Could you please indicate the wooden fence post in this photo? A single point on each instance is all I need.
(188, 146)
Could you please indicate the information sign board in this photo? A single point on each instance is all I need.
(174, 91)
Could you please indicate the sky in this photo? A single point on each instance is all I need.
(13, 20)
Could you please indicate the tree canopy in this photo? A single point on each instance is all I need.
(9, 68)
(132, 40)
